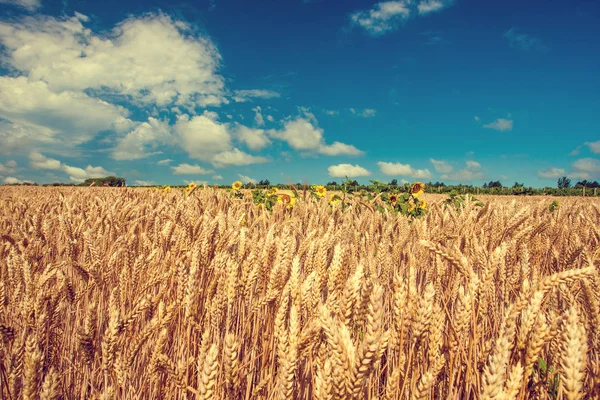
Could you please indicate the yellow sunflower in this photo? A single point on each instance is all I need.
(334, 200)
(237, 185)
(167, 189)
(321, 191)
(192, 185)
(423, 204)
(417, 189)
(272, 192)
(394, 199)
(287, 200)
(411, 206)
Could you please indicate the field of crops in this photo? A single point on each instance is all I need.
(140, 294)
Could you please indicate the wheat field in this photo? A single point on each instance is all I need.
(134, 294)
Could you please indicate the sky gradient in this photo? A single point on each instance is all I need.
(163, 92)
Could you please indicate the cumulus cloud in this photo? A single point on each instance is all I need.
(246, 179)
(258, 117)
(352, 171)
(594, 146)
(30, 5)
(551, 173)
(254, 139)
(164, 162)
(500, 124)
(585, 168)
(11, 180)
(441, 166)
(472, 171)
(217, 177)
(303, 134)
(187, 169)
(236, 157)
(145, 137)
(202, 137)
(387, 16)
(241, 96)
(398, 169)
(154, 59)
(8, 167)
(37, 114)
(39, 161)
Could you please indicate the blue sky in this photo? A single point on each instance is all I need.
(164, 92)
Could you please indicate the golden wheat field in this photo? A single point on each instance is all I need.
(136, 294)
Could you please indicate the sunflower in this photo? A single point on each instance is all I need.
(417, 189)
(192, 186)
(411, 206)
(237, 185)
(167, 189)
(393, 199)
(272, 192)
(321, 191)
(422, 204)
(334, 199)
(286, 200)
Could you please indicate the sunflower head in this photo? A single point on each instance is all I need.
(394, 199)
(423, 205)
(287, 200)
(334, 200)
(237, 185)
(167, 189)
(320, 190)
(411, 206)
(272, 192)
(417, 189)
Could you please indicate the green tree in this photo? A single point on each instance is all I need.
(563, 182)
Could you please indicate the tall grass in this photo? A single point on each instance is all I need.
(124, 293)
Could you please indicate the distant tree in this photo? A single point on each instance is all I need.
(485, 185)
(264, 182)
(394, 182)
(494, 184)
(518, 185)
(332, 183)
(111, 181)
(563, 182)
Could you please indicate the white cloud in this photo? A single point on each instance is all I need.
(368, 113)
(387, 16)
(258, 117)
(187, 169)
(302, 134)
(246, 179)
(236, 157)
(143, 183)
(477, 118)
(79, 175)
(36, 114)
(38, 161)
(473, 165)
(352, 171)
(202, 137)
(594, 146)
(551, 173)
(217, 177)
(8, 167)
(338, 148)
(333, 113)
(270, 118)
(164, 162)
(146, 136)
(500, 124)
(241, 96)
(441, 166)
(472, 171)
(10, 180)
(153, 60)
(585, 168)
(428, 6)
(255, 139)
(398, 169)
(30, 5)
(383, 17)
(523, 41)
